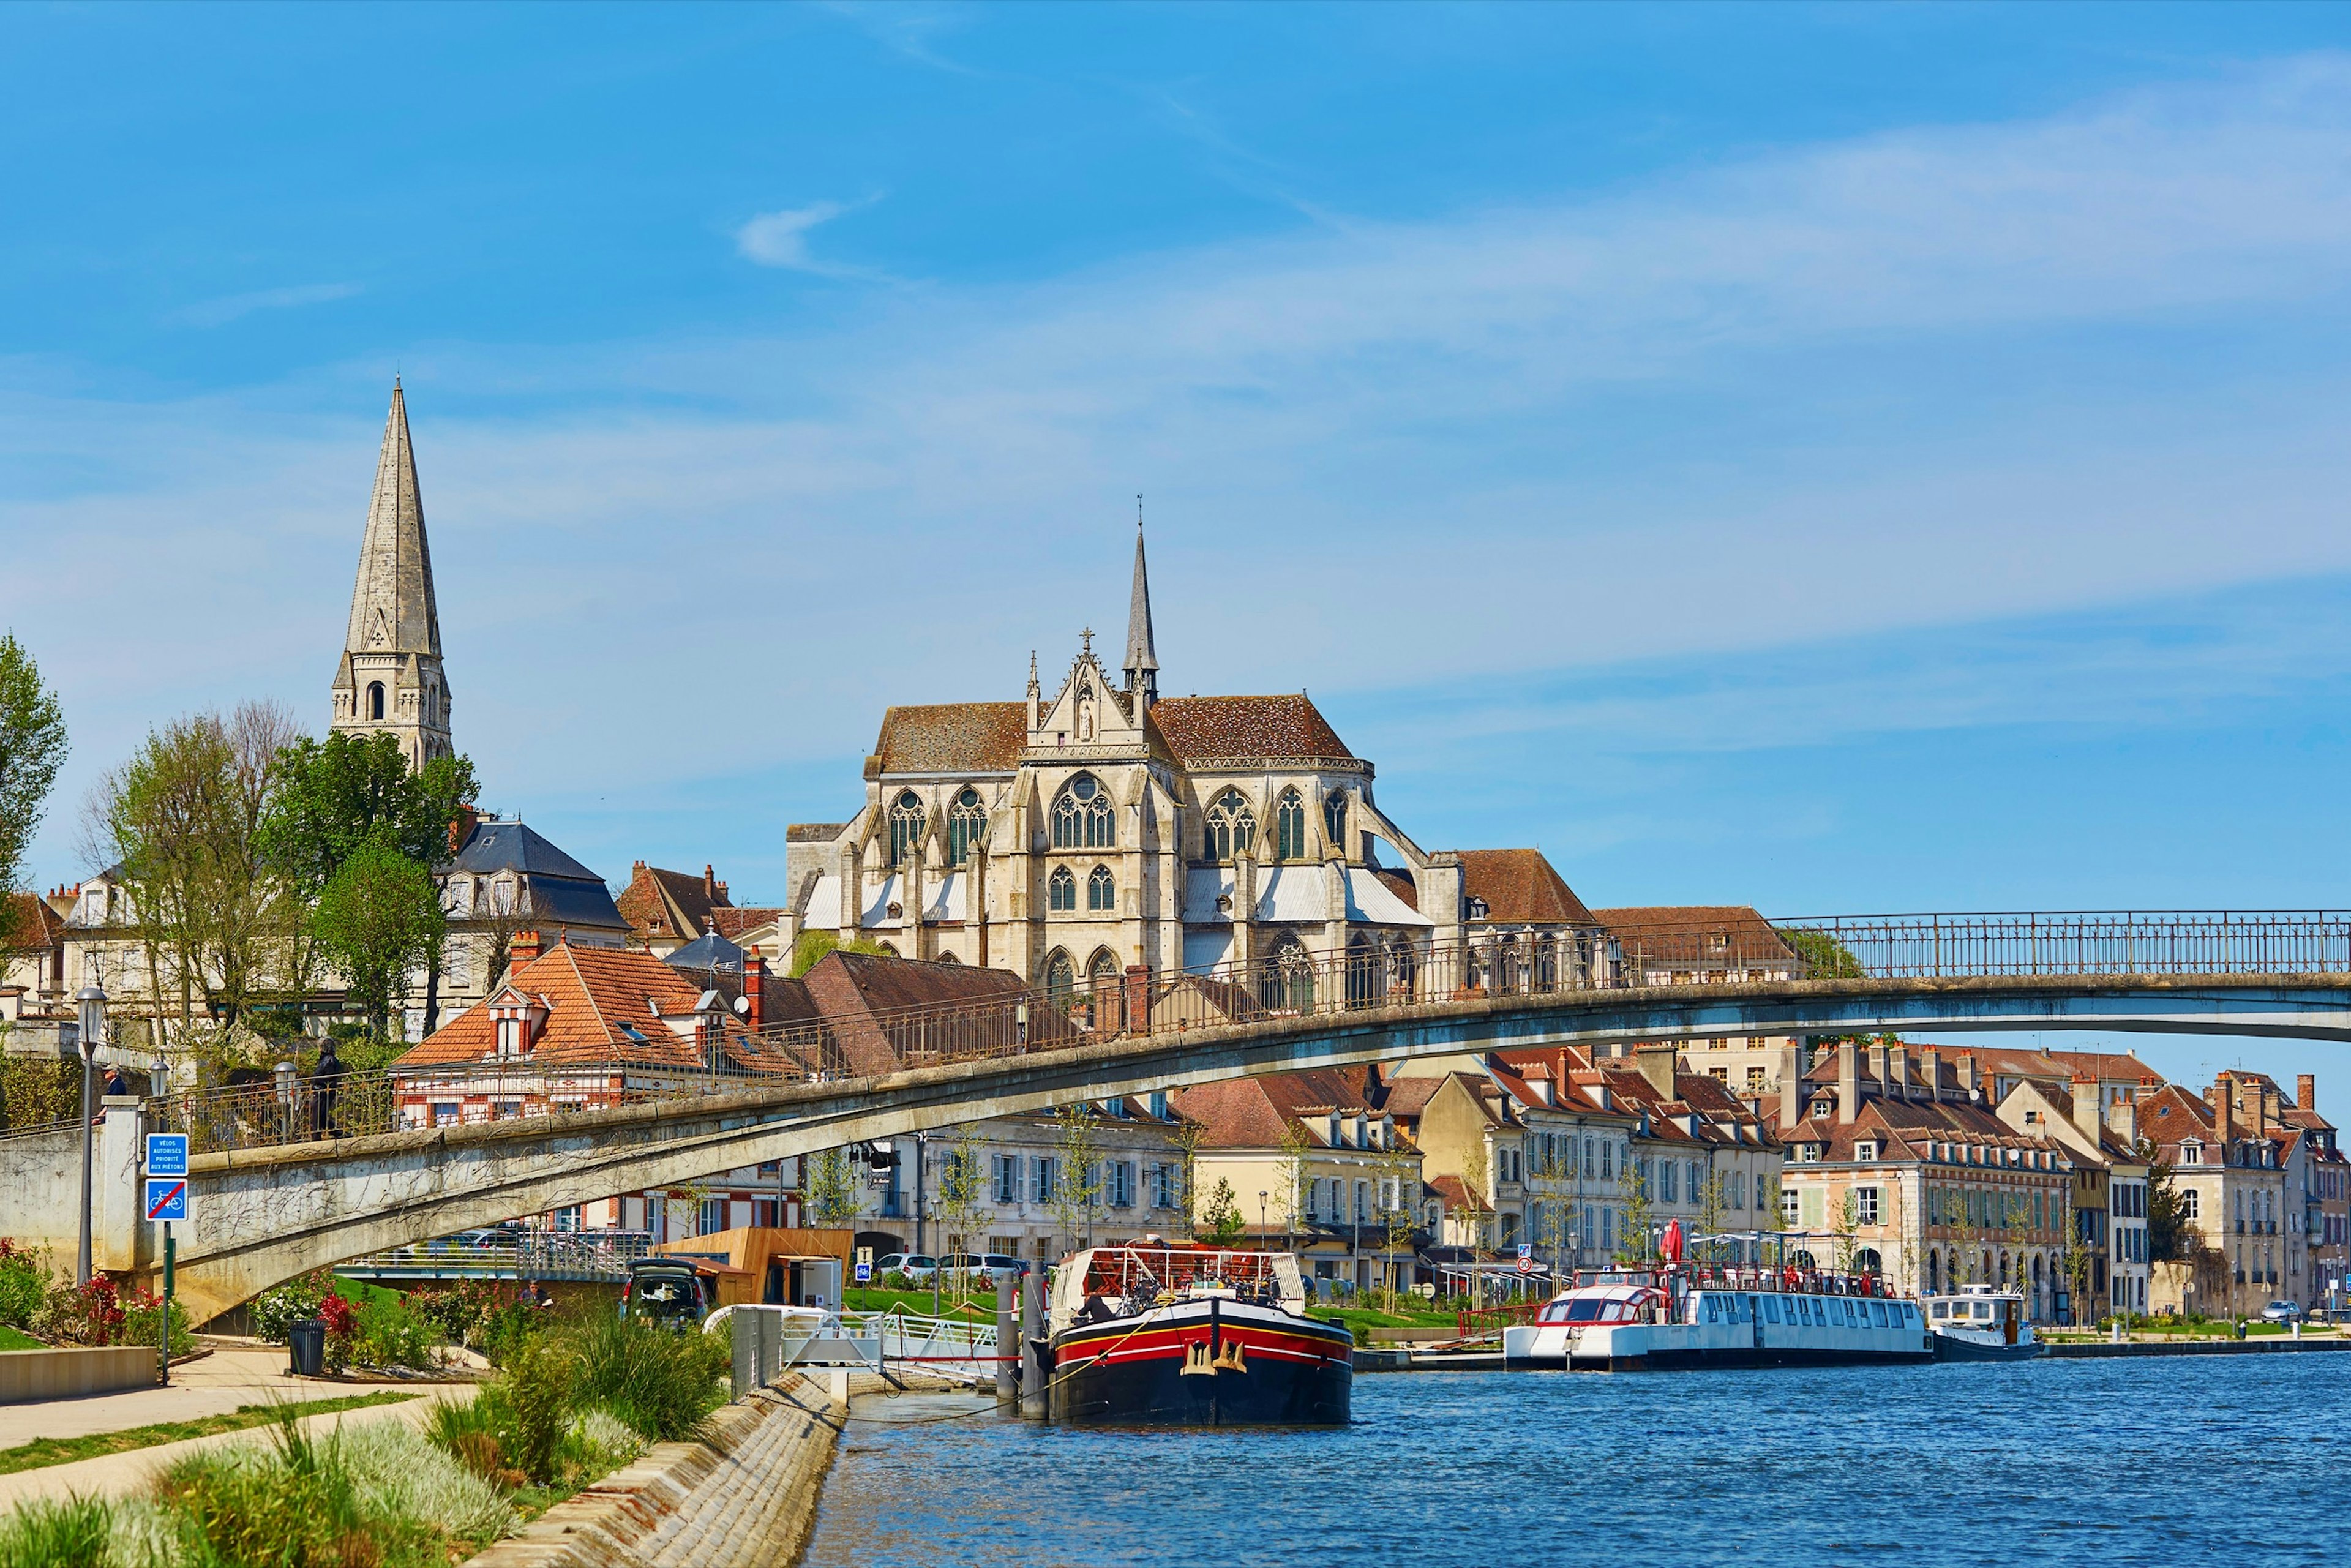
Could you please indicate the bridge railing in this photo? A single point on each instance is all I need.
(1390, 970)
(502, 1253)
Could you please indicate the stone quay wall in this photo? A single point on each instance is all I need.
(744, 1498)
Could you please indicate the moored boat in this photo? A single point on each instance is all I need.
(1698, 1315)
(1163, 1335)
(1981, 1324)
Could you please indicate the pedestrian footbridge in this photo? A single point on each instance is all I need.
(271, 1199)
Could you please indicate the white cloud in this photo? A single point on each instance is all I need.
(220, 312)
(780, 239)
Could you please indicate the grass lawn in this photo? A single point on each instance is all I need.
(918, 1302)
(45, 1451)
(17, 1339)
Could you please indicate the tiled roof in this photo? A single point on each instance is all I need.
(1521, 886)
(1251, 1113)
(733, 922)
(1704, 936)
(659, 903)
(600, 1010)
(2109, 1064)
(1456, 1194)
(31, 923)
(953, 738)
(1197, 728)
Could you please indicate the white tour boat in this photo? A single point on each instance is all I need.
(1981, 1324)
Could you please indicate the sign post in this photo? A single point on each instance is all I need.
(864, 1265)
(166, 1200)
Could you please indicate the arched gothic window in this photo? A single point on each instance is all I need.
(1061, 890)
(375, 699)
(1401, 966)
(1363, 971)
(1060, 978)
(1081, 819)
(1290, 827)
(905, 828)
(1286, 979)
(1334, 818)
(966, 827)
(1101, 890)
(1232, 827)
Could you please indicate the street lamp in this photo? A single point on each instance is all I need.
(1263, 1236)
(285, 1073)
(91, 1001)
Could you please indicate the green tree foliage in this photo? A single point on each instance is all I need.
(2169, 1237)
(183, 819)
(1080, 1186)
(829, 1191)
(1220, 1220)
(32, 749)
(338, 795)
(377, 919)
(812, 946)
(1824, 956)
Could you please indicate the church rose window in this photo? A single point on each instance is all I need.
(966, 827)
(1232, 827)
(1290, 827)
(1061, 890)
(1081, 819)
(1101, 893)
(1334, 817)
(905, 828)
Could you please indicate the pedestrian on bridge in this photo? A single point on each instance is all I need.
(325, 1083)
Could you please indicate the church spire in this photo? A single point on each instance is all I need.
(390, 676)
(1141, 659)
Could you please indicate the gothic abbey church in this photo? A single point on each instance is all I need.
(389, 679)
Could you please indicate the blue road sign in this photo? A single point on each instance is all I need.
(167, 1154)
(167, 1197)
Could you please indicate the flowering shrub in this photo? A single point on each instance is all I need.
(276, 1311)
(141, 1314)
(24, 1283)
(343, 1328)
(86, 1315)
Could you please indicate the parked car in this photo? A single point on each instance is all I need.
(2280, 1312)
(916, 1266)
(991, 1263)
(670, 1293)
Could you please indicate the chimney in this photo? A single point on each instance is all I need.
(1655, 1063)
(523, 949)
(2085, 1107)
(1898, 1062)
(2122, 1120)
(1848, 1081)
(1877, 1064)
(755, 988)
(637, 868)
(709, 881)
(1968, 1072)
(1930, 1068)
(2224, 1108)
(461, 827)
(1792, 1088)
(2305, 1091)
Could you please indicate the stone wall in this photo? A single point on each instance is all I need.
(746, 1497)
(28, 1375)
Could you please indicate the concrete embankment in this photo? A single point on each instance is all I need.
(746, 1497)
(2272, 1344)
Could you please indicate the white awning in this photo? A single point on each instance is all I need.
(1371, 901)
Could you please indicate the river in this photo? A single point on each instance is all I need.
(2188, 1460)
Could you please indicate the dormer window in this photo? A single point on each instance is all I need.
(2191, 1153)
(1477, 909)
(1866, 1151)
(515, 1021)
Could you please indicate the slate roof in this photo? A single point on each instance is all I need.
(1399, 883)
(1699, 935)
(953, 738)
(495, 846)
(708, 951)
(1197, 728)
(1519, 886)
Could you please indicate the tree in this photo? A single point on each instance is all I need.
(378, 919)
(828, 1190)
(1221, 1220)
(1846, 1228)
(2170, 1238)
(338, 795)
(1399, 1178)
(1713, 1202)
(32, 749)
(1633, 1239)
(811, 947)
(1825, 958)
(1476, 1164)
(1081, 1183)
(960, 1196)
(1188, 1135)
(1290, 1163)
(182, 820)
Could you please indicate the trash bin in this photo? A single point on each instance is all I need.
(307, 1342)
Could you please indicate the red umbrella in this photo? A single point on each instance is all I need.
(1671, 1244)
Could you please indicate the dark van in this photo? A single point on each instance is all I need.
(670, 1292)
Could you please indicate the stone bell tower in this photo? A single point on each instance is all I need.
(389, 678)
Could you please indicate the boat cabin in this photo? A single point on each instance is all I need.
(1105, 1281)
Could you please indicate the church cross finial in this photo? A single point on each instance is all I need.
(1086, 642)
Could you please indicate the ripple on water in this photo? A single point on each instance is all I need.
(2178, 1461)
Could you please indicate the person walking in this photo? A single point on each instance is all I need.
(326, 1084)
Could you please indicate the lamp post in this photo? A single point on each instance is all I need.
(285, 1075)
(1263, 1236)
(91, 1002)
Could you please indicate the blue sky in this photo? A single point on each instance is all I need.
(1837, 459)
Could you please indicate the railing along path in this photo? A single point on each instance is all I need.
(1393, 971)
